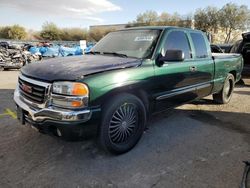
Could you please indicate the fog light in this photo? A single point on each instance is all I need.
(67, 103)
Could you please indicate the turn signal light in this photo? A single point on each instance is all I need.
(76, 103)
(80, 89)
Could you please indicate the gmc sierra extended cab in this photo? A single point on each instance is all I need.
(127, 76)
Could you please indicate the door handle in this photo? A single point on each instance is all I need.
(193, 69)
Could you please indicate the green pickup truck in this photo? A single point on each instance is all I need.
(127, 76)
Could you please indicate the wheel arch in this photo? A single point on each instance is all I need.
(135, 90)
(234, 73)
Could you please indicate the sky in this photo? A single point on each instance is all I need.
(83, 13)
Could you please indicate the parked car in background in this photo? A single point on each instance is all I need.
(243, 47)
(216, 49)
(225, 47)
(12, 58)
(127, 75)
(4, 44)
(15, 58)
(221, 48)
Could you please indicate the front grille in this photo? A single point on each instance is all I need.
(32, 92)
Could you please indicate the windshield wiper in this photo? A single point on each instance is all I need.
(109, 53)
(116, 54)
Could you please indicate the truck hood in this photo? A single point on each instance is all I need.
(72, 68)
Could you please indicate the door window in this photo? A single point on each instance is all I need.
(199, 45)
(177, 40)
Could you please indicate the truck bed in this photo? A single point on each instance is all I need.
(229, 62)
(225, 55)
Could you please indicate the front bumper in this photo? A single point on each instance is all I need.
(51, 113)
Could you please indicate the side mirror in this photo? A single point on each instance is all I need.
(171, 55)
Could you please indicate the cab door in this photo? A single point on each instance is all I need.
(177, 82)
(203, 62)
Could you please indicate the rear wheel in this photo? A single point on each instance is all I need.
(224, 96)
(123, 123)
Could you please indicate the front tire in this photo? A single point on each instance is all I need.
(225, 95)
(123, 123)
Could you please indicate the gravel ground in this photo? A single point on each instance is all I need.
(196, 145)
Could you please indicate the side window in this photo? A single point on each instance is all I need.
(199, 45)
(178, 40)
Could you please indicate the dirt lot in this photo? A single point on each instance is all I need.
(196, 145)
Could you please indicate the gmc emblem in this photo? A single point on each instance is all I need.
(26, 88)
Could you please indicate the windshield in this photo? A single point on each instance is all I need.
(130, 43)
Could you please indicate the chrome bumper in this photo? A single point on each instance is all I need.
(51, 113)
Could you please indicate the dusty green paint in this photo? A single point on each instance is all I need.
(102, 83)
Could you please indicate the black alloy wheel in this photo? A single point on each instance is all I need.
(123, 123)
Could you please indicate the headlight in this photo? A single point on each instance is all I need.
(70, 94)
(70, 88)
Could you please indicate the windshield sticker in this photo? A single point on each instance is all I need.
(144, 38)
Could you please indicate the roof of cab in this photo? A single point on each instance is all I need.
(160, 27)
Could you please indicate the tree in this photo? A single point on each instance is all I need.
(232, 18)
(73, 34)
(15, 32)
(207, 19)
(175, 19)
(164, 17)
(4, 32)
(50, 31)
(187, 21)
(151, 18)
(148, 17)
(96, 34)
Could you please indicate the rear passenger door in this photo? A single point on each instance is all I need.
(203, 62)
